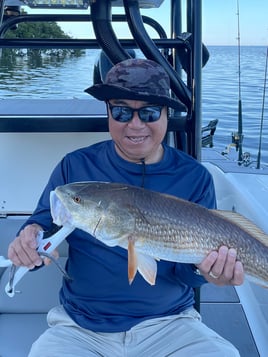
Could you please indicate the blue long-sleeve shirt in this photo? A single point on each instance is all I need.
(99, 297)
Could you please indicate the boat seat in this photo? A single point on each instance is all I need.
(209, 131)
(23, 317)
(103, 65)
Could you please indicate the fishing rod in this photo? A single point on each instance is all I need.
(239, 138)
(262, 112)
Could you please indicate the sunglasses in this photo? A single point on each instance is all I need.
(147, 114)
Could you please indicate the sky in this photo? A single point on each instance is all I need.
(220, 22)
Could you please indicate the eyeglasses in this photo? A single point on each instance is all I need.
(147, 114)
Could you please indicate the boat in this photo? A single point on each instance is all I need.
(34, 130)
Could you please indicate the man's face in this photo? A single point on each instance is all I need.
(136, 140)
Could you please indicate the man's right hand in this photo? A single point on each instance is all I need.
(22, 251)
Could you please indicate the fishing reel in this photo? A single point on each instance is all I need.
(237, 139)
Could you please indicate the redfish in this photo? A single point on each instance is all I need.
(154, 226)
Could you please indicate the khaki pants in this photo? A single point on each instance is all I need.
(180, 335)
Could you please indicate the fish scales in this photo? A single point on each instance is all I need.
(163, 225)
(159, 225)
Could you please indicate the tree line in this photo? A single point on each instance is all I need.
(38, 30)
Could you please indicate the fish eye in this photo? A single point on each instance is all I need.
(77, 199)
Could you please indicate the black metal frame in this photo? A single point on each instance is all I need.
(72, 18)
(188, 127)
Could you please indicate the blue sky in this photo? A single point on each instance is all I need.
(220, 22)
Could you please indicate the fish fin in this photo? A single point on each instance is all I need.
(245, 224)
(132, 260)
(147, 267)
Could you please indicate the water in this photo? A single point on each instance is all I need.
(48, 78)
(67, 78)
(221, 95)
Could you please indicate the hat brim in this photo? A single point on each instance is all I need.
(105, 92)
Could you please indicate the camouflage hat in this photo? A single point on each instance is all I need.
(136, 79)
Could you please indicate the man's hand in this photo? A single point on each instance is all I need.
(221, 267)
(22, 251)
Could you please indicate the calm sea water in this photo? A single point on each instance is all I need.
(57, 78)
(221, 96)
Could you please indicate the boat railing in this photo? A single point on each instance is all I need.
(61, 115)
(13, 21)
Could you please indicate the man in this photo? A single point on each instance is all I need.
(100, 313)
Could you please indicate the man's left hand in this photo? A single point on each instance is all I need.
(222, 267)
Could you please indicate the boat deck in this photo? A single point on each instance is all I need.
(228, 164)
(221, 309)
